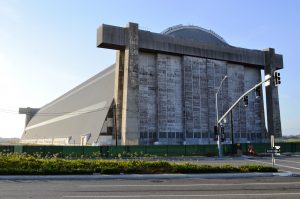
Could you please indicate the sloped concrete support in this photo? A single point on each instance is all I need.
(118, 90)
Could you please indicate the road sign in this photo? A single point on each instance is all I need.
(275, 149)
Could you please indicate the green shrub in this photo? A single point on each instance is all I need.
(24, 164)
(110, 170)
(257, 168)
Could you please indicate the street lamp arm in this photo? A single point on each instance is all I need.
(225, 77)
(239, 99)
(217, 116)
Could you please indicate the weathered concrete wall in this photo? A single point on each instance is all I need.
(248, 122)
(168, 92)
(216, 71)
(195, 100)
(169, 96)
(147, 98)
(255, 128)
(236, 87)
(176, 100)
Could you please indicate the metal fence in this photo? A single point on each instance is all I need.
(160, 150)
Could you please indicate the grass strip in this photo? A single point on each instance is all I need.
(16, 164)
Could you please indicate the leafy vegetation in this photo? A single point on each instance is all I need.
(22, 164)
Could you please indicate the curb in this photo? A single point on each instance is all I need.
(145, 176)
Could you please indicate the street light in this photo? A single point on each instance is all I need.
(217, 118)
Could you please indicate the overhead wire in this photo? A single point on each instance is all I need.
(56, 113)
(8, 111)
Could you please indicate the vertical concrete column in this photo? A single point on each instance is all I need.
(272, 99)
(130, 121)
(118, 91)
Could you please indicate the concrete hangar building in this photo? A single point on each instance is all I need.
(161, 90)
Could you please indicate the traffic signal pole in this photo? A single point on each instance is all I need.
(241, 97)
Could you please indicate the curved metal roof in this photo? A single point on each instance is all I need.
(195, 33)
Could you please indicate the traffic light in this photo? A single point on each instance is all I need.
(277, 80)
(215, 133)
(222, 134)
(258, 92)
(246, 100)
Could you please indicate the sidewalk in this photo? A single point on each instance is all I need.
(145, 176)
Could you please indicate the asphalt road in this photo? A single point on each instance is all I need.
(273, 187)
(255, 187)
(283, 163)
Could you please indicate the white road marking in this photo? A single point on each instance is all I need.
(276, 164)
(188, 185)
(196, 195)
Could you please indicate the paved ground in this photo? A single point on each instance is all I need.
(274, 187)
(284, 163)
(254, 187)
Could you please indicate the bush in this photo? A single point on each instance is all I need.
(108, 170)
(16, 164)
(257, 168)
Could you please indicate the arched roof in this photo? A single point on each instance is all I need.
(195, 33)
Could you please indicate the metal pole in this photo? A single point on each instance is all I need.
(115, 123)
(218, 141)
(217, 118)
(232, 136)
(272, 147)
(240, 98)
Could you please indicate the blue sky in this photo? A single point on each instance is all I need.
(49, 47)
